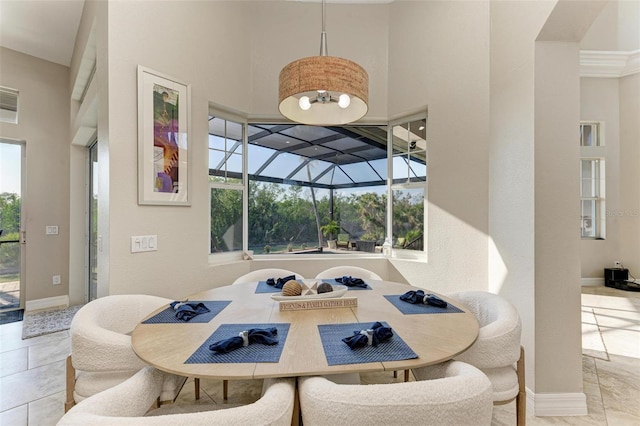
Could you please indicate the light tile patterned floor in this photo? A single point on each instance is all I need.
(32, 371)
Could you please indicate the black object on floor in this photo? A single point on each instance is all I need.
(11, 316)
(625, 285)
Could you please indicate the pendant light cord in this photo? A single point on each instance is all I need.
(323, 35)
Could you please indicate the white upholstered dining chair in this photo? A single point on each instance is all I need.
(101, 352)
(447, 394)
(264, 274)
(128, 402)
(497, 351)
(258, 275)
(353, 271)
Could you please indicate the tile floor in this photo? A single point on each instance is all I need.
(32, 376)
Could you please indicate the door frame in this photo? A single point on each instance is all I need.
(23, 229)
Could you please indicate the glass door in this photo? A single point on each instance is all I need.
(12, 240)
(93, 223)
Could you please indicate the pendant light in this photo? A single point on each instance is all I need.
(323, 90)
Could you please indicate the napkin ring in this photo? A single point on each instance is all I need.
(369, 334)
(245, 337)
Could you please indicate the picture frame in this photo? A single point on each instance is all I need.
(164, 128)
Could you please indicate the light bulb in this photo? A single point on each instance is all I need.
(344, 101)
(304, 103)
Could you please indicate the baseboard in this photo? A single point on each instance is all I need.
(557, 404)
(49, 302)
(591, 282)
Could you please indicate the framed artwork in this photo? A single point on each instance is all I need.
(164, 155)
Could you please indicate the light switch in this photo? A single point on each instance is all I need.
(142, 243)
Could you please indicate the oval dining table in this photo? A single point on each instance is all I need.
(434, 337)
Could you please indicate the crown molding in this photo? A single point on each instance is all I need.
(609, 64)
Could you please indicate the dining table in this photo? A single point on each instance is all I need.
(310, 340)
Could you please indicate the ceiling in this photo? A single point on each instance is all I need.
(45, 29)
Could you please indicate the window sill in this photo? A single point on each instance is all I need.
(225, 258)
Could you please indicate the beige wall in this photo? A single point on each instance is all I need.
(630, 172)
(557, 211)
(217, 61)
(599, 101)
(514, 27)
(434, 64)
(43, 123)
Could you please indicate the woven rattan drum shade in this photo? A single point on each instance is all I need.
(307, 76)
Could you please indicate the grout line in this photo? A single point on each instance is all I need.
(595, 366)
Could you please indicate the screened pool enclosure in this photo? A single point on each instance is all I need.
(315, 189)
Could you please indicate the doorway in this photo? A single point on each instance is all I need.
(12, 234)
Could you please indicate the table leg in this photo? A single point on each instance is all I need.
(197, 387)
(296, 420)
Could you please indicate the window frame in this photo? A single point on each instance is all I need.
(391, 186)
(239, 118)
(227, 115)
(598, 184)
(595, 152)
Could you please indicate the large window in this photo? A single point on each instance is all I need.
(226, 184)
(313, 189)
(592, 182)
(591, 179)
(409, 164)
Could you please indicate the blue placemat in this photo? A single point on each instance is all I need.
(333, 281)
(169, 315)
(263, 287)
(337, 352)
(253, 353)
(420, 308)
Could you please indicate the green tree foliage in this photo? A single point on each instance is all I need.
(372, 214)
(408, 214)
(10, 224)
(9, 213)
(282, 216)
(226, 220)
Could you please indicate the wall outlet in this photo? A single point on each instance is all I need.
(51, 230)
(56, 279)
(617, 264)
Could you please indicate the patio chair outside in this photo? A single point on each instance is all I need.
(343, 241)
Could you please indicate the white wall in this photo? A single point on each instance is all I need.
(43, 122)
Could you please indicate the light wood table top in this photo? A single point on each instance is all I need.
(433, 337)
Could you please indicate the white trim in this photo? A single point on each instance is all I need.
(591, 282)
(611, 64)
(557, 404)
(49, 302)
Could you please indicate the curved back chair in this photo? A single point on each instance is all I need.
(264, 274)
(354, 271)
(497, 351)
(128, 402)
(258, 275)
(448, 394)
(101, 353)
